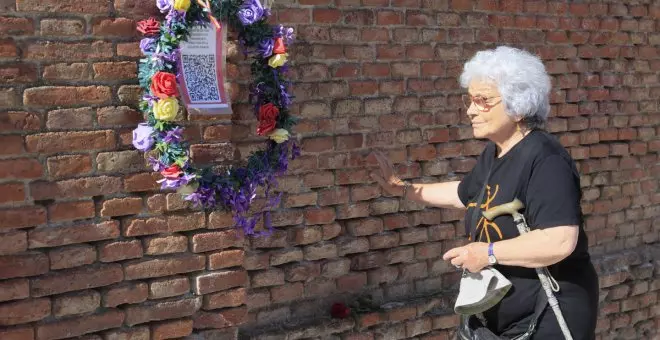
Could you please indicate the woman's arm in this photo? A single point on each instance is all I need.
(444, 195)
(535, 249)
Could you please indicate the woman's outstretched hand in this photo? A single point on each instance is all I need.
(385, 177)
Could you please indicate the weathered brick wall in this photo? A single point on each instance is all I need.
(89, 246)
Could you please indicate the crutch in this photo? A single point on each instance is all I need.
(547, 281)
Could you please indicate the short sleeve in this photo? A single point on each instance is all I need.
(463, 185)
(553, 194)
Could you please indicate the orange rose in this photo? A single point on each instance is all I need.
(279, 47)
(172, 172)
(163, 85)
(149, 27)
(267, 118)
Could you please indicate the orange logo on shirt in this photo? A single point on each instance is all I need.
(484, 225)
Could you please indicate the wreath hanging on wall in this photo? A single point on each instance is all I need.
(235, 187)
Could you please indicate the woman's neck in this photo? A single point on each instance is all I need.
(507, 142)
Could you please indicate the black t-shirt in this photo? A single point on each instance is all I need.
(541, 173)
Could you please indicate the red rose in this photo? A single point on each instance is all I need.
(172, 172)
(279, 47)
(267, 118)
(163, 85)
(340, 311)
(149, 26)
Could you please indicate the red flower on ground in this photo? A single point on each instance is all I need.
(149, 26)
(339, 311)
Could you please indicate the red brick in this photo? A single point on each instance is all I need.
(80, 326)
(121, 27)
(212, 153)
(80, 187)
(216, 240)
(164, 266)
(172, 329)
(13, 242)
(53, 237)
(69, 211)
(62, 27)
(11, 26)
(76, 279)
(221, 319)
(24, 311)
(122, 206)
(165, 244)
(49, 96)
(219, 280)
(226, 259)
(115, 70)
(80, 303)
(16, 289)
(287, 293)
(142, 182)
(162, 311)
(352, 282)
(22, 217)
(168, 287)
(73, 256)
(118, 116)
(15, 74)
(70, 119)
(229, 298)
(70, 141)
(26, 264)
(126, 293)
(8, 50)
(67, 51)
(17, 333)
(68, 166)
(23, 168)
(133, 333)
(120, 250)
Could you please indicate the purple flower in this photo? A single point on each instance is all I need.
(147, 45)
(284, 96)
(250, 12)
(173, 136)
(175, 183)
(156, 164)
(164, 5)
(175, 17)
(295, 151)
(143, 138)
(266, 47)
(286, 33)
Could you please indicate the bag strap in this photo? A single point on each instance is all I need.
(541, 303)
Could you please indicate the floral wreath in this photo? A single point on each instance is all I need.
(235, 188)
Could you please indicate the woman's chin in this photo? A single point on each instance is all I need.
(478, 131)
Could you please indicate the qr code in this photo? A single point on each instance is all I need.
(199, 72)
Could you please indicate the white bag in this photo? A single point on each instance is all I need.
(480, 291)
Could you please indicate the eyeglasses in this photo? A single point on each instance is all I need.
(480, 102)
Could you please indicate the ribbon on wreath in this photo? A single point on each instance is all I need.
(207, 8)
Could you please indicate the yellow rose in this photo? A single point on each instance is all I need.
(279, 135)
(166, 109)
(181, 5)
(188, 189)
(277, 60)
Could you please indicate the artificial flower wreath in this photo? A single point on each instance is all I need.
(235, 188)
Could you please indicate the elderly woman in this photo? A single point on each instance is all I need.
(507, 104)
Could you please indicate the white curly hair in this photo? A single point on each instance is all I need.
(520, 77)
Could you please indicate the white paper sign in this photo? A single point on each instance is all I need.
(201, 71)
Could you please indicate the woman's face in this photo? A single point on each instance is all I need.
(486, 112)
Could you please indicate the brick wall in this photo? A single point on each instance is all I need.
(89, 246)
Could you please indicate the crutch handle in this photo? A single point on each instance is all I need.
(510, 208)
